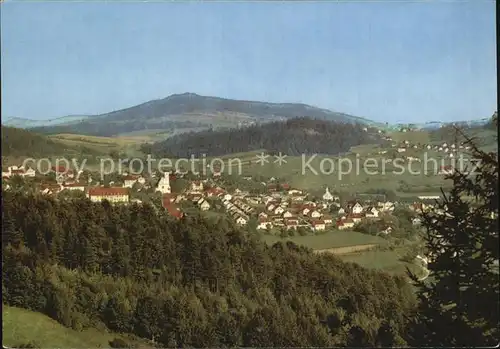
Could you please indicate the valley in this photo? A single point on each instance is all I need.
(358, 200)
(249, 175)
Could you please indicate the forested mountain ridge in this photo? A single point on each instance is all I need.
(20, 142)
(190, 110)
(291, 137)
(191, 282)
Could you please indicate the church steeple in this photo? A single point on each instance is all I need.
(164, 184)
(327, 196)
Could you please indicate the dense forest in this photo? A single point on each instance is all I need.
(96, 127)
(19, 142)
(291, 137)
(188, 283)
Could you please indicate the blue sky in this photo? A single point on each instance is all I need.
(388, 61)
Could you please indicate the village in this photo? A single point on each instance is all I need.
(277, 207)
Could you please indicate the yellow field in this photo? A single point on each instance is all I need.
(105, 145)
(112, 141)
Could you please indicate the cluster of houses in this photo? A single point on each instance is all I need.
(448, 150)
(281, 207)
(18, 171)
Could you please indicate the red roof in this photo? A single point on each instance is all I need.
(285, 186)
(174, 211)
(73, 185)
(167, 200)
(130, 178)
(356, 215)
(61, 169)
(113, 191)
(215, 191)
(51, 187)
(17, 171)
(318, 222)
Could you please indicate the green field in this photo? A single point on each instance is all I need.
(21, 326)
(380, 259)
(420, 136)
(330, 239)
(359, 179)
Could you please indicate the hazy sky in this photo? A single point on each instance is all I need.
(388, 61)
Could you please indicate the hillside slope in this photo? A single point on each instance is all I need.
(291, 137)
(192, 282)
(20, 143)
(189, 110)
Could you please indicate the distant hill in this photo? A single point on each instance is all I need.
(191, 111)
(291, 137)
(433, 125)
(17, 142)
(29, 123)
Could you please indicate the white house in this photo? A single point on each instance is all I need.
(318, 225)
(164, 184)
(287, 214)
(29, 172)
(197, 186)
(372, 212)
(357, 208)
(401, 150)
(271, 207)
(315, 214)
(204, 206)
(74, 186)
(263, 215)
(279, 210)
(241, 221)
(264, 224)
(386, 206)
(345, 224)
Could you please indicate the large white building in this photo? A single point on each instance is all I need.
(164, 184)
(327, 196)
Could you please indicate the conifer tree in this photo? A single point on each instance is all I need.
(459, 302)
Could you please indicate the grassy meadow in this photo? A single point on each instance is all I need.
(329, 239)
(22, 326)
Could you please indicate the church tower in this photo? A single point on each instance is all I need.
(327, 196)
(164, 184)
